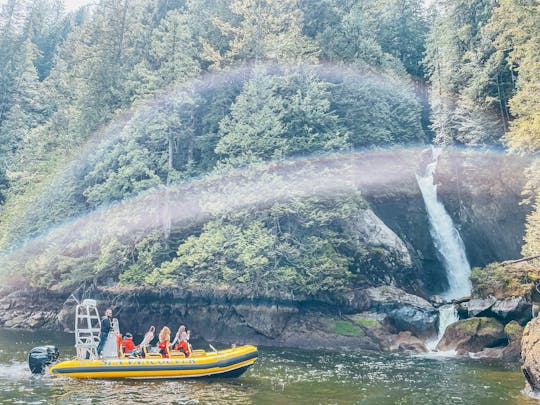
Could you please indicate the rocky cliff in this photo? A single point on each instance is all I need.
(482, 193)
(373, 318)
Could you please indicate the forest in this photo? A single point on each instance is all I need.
(123, 100)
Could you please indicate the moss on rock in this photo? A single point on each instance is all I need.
(347, 328)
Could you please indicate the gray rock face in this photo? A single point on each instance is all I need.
(516, 308)
(405, 312)
(269, 320)
(487, 206)
(374, 232)
(478, 306)
(25, 309)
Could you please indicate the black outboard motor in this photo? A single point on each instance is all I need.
(41, 357)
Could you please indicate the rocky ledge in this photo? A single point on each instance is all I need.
(378, 318)
(383, 318)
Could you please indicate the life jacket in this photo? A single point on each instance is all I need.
(128, 344)
(163, 348)
(182, 345)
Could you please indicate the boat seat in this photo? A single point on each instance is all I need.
(178, 354)
(150, 355)
(198, 353)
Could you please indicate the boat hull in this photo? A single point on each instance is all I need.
(224, 363)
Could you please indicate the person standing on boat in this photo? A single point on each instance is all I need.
(106, 327)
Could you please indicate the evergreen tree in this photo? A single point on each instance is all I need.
(515, 25)
(266, 30)
(464, 71)
(279, 116)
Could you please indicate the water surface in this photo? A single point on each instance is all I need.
(281, 376)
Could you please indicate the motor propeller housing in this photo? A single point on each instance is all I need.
(42, 356)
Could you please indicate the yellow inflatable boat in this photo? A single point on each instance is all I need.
(231, 362)
(222, 363)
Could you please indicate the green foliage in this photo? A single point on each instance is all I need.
(377, 110)
(149, 253)
(388, 34)
(505, 280)
(280, 116)
(365, 322)
(262, 30)
(518, 45)
(300, 247)
(124, 171)
(346, 328)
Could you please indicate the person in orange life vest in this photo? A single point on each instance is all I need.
(181, 340)
(127, 343)
(164, 341)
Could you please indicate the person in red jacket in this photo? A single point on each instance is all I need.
(164, 341)
(127, 343)
(181, 340)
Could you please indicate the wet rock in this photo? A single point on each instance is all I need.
(388, 259)
(472, 335)
(406, 342)
(24, 320)
(478, 306)
(514, 334)
(516, 308)
(489, 353)
(438, 300)
(530, 354)
(510, 352)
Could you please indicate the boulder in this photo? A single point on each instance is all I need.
(511, 352)
(404, 311)
(406, 342)
(478, 306)
(516, 308)
(438, 301)
(369, 228)
(514, 334)
(472, 335)
(530, 354)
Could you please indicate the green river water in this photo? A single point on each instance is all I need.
(281, 376)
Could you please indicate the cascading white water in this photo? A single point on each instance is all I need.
(445, 236)
(449, 244)
(447, 316)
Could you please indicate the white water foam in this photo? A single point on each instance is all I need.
(447, 316)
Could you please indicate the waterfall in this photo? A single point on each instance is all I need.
(447, 316)
(445, 236)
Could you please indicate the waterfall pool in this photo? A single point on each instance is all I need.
(281, 376)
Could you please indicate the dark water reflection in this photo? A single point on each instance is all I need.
(279, 377)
